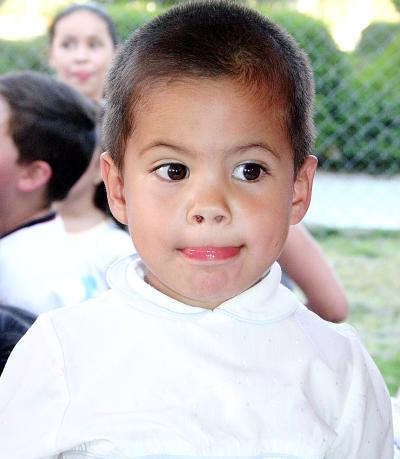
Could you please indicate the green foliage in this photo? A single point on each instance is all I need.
(23, 55)
(372, 136)
(129, 17)
(376, 36)
(389, 365)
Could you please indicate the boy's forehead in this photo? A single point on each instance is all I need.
(271, 100)
(186, 112)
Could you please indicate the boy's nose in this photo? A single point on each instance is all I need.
(201, 218)
(209, 207)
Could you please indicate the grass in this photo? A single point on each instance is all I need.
(368, 264)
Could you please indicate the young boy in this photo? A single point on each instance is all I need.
(197, 350)
(47, 137)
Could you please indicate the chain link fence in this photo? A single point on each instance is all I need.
(358, 95)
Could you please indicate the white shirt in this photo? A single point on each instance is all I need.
(134, 373)
(37, 272)
(96, 249)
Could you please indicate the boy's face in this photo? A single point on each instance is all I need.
(9, 168)
(23, 185)
(207, 189)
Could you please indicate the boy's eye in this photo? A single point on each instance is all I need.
(248, 171)
(172, 171)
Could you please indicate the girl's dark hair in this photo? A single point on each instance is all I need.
(212, 39)
(92, 8)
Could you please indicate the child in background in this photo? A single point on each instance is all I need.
(47, 137)
(82, 45)
(94, 238)
(198, 350)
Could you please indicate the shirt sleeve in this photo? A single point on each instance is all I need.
(33, 395)
(365, 429)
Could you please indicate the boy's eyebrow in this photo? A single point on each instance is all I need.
(260, 145)
(161, 143)
(241, 149)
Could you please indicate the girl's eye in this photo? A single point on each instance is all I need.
(172, 171)
(95, 44)
(67, 44)
(249, 171)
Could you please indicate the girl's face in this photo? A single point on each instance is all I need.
(81, 52)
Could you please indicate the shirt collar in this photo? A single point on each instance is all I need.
(36, 221)
(266, 301)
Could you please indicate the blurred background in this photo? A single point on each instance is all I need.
(354, 47)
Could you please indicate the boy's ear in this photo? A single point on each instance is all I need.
(302, 189)
(115, 188)
(34, 175)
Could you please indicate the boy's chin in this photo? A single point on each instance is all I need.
(207, 293)
(208, 296)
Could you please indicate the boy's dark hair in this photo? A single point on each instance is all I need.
(92, 8)
(212, 39)
(51, 122)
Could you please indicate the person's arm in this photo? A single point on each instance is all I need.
(304, 262)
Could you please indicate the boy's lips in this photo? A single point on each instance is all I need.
(210, 253)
